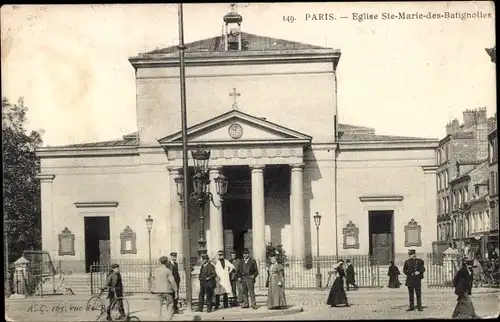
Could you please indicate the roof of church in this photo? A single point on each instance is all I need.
(351, 133)
(250, 42)
(354, 137)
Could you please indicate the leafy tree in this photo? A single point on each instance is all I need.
(22, 213)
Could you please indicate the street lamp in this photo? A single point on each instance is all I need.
(149, 226)
(317, 222)
(200, 193)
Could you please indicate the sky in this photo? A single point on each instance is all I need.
(401, 77)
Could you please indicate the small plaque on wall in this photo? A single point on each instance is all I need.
(413, 233)
(351, 236)
(127, 238)
(66, 243)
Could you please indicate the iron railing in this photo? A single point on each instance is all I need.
(299, 274)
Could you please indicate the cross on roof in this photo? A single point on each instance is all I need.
(234, 94)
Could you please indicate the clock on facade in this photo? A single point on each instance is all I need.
(235, 131)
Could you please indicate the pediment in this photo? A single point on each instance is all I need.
(236, 127)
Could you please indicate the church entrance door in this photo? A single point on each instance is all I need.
(381, 233)
(97, 244)
(237, 225)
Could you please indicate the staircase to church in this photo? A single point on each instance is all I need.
(383, 277)
(77, 284)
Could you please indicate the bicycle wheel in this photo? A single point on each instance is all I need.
(133, 318)
(95, 303)
(116, 306)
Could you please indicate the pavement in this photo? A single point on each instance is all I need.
(303, 304)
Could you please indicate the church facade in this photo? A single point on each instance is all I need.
(267, 110)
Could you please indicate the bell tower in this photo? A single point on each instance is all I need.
(232, 37)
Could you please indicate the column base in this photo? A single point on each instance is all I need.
(195, 282)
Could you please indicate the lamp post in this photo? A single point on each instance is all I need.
(317, 222)
(200, 193)
(149, 226)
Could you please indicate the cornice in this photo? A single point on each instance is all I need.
(45, 177)
(242, 143)
(380, 198)
(62, 152)
(96, 204)
(237, 58)
(389, 145)
(429, 168)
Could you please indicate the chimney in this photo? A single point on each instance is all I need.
(469, 117)
(481, 115)
(452, 127)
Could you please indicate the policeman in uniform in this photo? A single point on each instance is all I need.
(414, 270)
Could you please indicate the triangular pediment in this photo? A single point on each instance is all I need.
(238, 128)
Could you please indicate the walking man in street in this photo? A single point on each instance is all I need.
(414, 270)
(207, 284)
(174, 267)
(246, 273)
(165, 287)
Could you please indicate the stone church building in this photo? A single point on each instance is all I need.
(267, 110)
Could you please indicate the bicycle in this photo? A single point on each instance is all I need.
(96, 303)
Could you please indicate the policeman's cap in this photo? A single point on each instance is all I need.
(115, 266)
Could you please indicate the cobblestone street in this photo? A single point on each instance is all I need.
(365, 304)
(385, 304)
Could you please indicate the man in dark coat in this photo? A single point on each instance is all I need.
(350, 278)
(174, 267)
(463, 285)
(414, 270)
(207, 283)
(234, 281)
(246, 272)
(115, 290)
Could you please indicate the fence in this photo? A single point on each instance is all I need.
(299, 274)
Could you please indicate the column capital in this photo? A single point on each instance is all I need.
(257, 167)
(214, 169)
(297, 166)
(174, 170)
(430, 169)
(45, 177)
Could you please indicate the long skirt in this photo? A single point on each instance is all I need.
(394, 282)
(464, 308)
(337, 294)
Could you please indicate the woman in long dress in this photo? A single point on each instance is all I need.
(463, 285)
(275, 292)
(393, 274)
(337, 294)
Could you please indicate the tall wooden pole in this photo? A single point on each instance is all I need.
(185, 204)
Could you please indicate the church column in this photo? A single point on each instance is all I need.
(297, 211)
(174, 216)
(49, 235)
(216, 228)
(258, 213)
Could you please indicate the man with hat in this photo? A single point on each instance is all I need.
(414, 270)
(115, 290)
(174, 267)
(165, 287)
(246, 272)
(463, 285)
(223, 268)
(207, 283)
